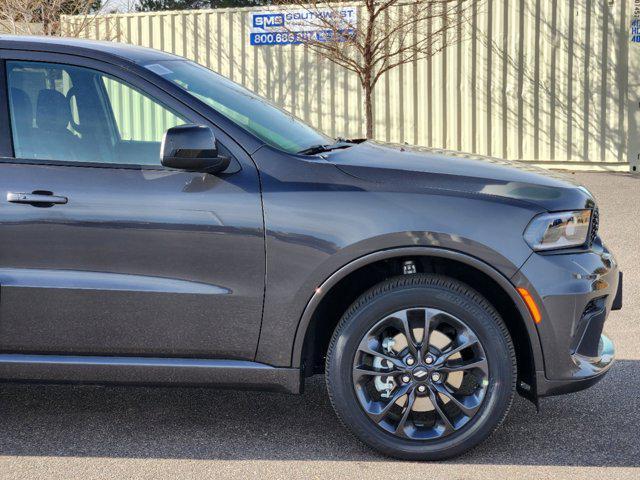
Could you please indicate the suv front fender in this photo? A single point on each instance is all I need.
(471, 261)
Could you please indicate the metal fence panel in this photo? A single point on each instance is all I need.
(535, 80)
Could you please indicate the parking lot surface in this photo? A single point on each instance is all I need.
(68, 432)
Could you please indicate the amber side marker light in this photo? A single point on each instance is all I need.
(531, 304)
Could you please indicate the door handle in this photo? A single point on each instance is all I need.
(39, 197)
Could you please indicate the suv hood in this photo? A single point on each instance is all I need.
(417, 168)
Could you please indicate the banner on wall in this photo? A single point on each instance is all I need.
(288, 27)
(633, 98)
(635, 22)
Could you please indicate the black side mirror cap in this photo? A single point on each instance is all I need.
(192, 148)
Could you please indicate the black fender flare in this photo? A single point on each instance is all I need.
(499, 278)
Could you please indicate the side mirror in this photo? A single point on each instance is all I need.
(193, 148)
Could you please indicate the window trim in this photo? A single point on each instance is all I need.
(6, 138)
(71, 163)
(120, 73)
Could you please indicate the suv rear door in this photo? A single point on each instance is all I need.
(102, 250)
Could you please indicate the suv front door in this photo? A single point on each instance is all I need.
(102, 250)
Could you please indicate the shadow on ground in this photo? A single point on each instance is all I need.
(597, 427)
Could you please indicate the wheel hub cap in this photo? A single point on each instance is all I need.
(420, 374)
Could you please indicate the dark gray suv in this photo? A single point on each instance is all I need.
(162, 225)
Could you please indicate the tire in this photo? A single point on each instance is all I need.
(445, 300)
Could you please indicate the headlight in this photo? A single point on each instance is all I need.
(551, 231)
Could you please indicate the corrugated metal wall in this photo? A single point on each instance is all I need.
(537, 80)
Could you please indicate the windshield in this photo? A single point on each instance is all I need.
(255, 114)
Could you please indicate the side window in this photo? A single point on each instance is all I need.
(63, 112)
(138, 118)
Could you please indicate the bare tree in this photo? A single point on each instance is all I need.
(42, 17)
(385, 35)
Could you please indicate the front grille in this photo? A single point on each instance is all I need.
(595, 223)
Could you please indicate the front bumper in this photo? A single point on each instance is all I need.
(575, 292)
(590, 371)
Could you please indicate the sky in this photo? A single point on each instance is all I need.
(120, 5)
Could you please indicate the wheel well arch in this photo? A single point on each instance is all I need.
(337, 293)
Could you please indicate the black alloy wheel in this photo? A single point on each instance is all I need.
(419, 371)
(421, 367)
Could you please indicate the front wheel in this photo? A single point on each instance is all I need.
(421, 367)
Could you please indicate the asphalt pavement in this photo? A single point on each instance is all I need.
(69, 432)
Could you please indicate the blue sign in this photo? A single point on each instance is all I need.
(635, 30)
(266, 20)
(295, 38)
(291, 27)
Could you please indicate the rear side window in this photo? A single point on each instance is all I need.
(69, 113)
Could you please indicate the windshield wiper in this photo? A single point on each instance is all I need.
(315, 149)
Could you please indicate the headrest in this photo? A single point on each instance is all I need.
(21, 108)
(53, 112)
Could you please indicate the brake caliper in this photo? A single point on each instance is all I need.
(385, 385)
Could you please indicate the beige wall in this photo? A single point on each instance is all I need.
(536, 80)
